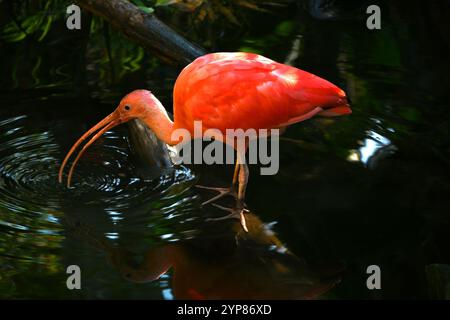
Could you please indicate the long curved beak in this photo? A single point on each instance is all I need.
(99, 129)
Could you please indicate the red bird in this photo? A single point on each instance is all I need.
(229, 90)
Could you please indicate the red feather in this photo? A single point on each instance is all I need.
(246, 90)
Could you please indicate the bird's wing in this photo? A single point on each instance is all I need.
(239, 90)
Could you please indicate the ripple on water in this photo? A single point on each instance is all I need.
(32, 201)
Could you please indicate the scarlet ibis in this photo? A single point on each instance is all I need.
(227, 90)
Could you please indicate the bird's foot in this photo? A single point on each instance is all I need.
(235, 213)
(231, 191)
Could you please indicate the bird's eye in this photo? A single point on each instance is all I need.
(127, 107)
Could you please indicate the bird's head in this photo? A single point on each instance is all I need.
(139, 104)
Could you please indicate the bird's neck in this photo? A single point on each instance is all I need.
(160, 123)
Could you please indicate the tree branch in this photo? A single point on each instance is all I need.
(145, 29)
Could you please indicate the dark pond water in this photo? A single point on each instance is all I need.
(368, 189)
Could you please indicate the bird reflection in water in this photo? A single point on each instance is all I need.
(224, 262)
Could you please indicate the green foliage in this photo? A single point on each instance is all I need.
(32, 20)
(144, 7)
(110, 54)
(165, 2)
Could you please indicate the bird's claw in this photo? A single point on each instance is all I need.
(230, 209)
(235, 213)
(222, 193)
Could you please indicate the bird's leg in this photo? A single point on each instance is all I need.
(235, 174)
(238, 212)
(223, 191)
(243, 180)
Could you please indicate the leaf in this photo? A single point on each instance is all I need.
(228, 14)
(143, 7)
(147, 9)
(161, 3)
(248, 4)
(46, 28)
